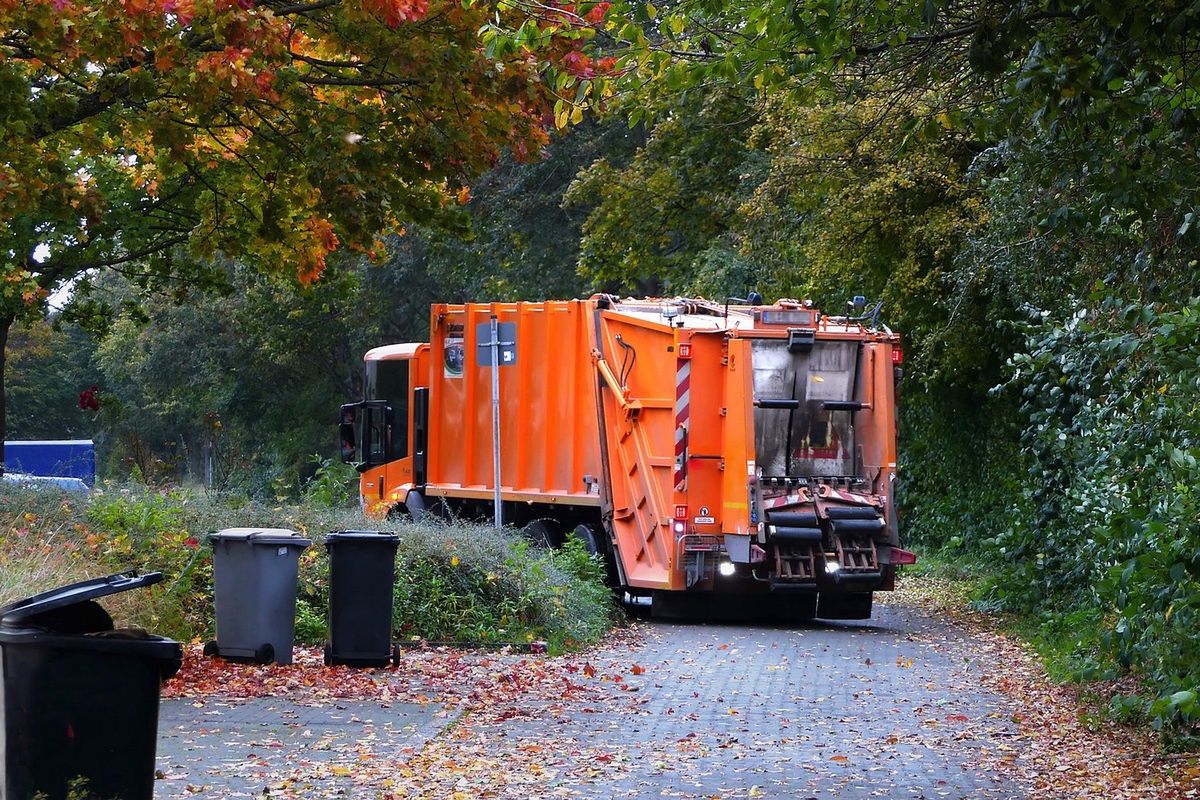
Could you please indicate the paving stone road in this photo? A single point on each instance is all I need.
(886, 709)
(237, 748)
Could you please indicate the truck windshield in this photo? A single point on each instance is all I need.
(802, 439)
(388, 381)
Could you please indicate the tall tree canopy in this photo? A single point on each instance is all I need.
(151, 135)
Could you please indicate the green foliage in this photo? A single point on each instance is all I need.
(244, 383)
(312, 627)
(48, 367)
(333, 485)
(651, 218)
(523, 244)
(1113, 518)
(454, 583)
(480, 586)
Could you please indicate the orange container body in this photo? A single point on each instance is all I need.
(684, 439)
(549, 440)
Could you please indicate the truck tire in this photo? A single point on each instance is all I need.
(543, 533)
(587, 534)
(415, 505)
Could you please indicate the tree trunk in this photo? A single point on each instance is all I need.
(6, 322)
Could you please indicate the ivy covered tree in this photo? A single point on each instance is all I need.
(149, 136)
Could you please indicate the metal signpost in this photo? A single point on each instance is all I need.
(501, 344)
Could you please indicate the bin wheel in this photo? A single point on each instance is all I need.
(211, 649)
(395, 655)
(328, 657)
(265, 654)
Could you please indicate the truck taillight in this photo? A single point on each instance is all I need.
(680, 523)
(903, 556)
(685, 351)
(897, 354)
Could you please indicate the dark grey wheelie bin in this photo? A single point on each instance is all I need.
(362, 569)
(80, 698)
(254, 583)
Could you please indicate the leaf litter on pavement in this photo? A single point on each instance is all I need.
(1068, 749)
(513, 723)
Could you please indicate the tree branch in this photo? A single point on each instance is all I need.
(50, 273)
(365, 82)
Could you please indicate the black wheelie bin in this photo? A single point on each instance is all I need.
(362, 569)
(80, 701)
(254, 580)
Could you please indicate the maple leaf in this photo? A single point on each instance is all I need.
(637, 669)
(589, 670)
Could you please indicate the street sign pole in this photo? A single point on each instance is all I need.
(495, 346)
(501, 350)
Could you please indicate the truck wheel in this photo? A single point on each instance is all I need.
(265, 654)
(543, 533)
(587, 534)
(415, 504)
(211, 649)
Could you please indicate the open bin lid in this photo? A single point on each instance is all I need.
(270, 537)
(383, 537)
(74, 593)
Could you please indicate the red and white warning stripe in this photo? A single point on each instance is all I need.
(683, 410)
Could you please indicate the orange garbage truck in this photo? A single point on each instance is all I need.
(716, 455)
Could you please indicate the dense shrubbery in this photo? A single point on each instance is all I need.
(1110, 527)
(454, 582)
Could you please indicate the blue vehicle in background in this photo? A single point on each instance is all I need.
(66, 463)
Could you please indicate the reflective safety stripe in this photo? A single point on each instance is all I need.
(683, 399)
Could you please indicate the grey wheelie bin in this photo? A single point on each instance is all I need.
(362, 569)
(254, 583)
(80, 698)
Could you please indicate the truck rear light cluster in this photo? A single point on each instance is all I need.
(897, 354)
(685, 351)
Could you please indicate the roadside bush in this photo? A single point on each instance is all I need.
(1112, 520)
(476, 585)
(455, 582)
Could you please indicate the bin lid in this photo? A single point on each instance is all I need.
(76, 593)
(385, 537)
(272, 537)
